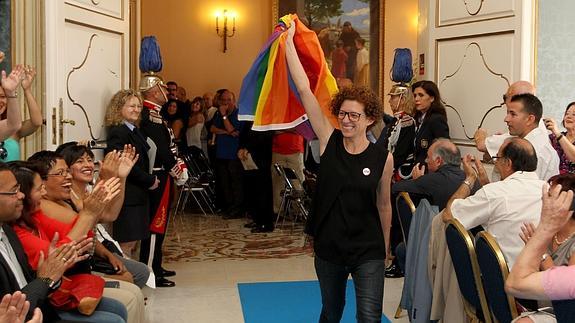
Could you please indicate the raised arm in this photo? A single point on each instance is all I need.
(30, 126)
(525, 279)
(10, 83)
(320, 124)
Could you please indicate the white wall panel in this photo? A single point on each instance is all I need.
(473, 73)
(94, 65)
(459, 11)
(112, 8)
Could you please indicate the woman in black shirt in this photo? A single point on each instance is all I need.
(351, 215)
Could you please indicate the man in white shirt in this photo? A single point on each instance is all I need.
(523, 120)
(501, 207)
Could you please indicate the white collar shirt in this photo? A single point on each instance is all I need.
(10, 256)
(501, 208)
(547, 157)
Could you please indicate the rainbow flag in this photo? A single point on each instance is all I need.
(268, 96)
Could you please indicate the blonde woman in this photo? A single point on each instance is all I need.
(122, 120)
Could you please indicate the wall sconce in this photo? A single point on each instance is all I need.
(225, 30)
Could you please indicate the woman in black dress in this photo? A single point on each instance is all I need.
(351, 216)
(122, 119)
(430, 117)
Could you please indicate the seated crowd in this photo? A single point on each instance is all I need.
(81, 238)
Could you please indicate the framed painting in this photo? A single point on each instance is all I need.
(350, 33)
(6, 34)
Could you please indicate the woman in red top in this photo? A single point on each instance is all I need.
(35, 231)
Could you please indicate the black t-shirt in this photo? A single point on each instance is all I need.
(345, 219)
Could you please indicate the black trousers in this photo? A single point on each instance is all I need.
(156, 240)
(229, 174)
(259, 195)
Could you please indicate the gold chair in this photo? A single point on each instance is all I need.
(405, 210)
(494, 271)
(466, 266)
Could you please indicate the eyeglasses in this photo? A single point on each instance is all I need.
(352, 116)
(61, 173)
(496, 157)
(504, 98)
(12, 192)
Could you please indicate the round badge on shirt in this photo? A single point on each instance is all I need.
(366, 171)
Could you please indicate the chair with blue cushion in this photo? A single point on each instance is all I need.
(462, 251)
(564, 310)
(494, 272)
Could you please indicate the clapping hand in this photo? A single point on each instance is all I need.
(14, 308)
(11, 82)
(418, 171)
(110, 165)
(103, 193)
(29, 74)
(555, 211)
(58, 260)
(127, 160)
(527, 230)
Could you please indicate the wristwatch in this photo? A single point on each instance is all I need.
(225, 117)
(52, 285)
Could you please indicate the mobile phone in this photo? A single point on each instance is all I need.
(112, 284)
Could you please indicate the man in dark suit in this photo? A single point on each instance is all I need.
(166, 166)
(442, 180)
(15, 272)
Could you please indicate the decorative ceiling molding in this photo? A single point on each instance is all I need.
(74, 69)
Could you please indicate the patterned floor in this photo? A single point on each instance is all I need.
(195, 238)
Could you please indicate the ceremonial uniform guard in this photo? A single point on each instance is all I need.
(164, 165)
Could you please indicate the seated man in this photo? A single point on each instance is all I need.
(444, 177)
(15, 272)
(501, 207)
(523, 119)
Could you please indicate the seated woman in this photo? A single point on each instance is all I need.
(525, 279)
(11, 144)
(80, 159)
(57, 206)
(560, 249)
(30, 228)
(564, 141)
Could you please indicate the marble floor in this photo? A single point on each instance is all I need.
(212, 255)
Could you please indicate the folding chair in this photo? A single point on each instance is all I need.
(464, 258)
(494, 271)
(292, 195)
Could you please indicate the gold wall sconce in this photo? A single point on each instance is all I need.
(225, 29)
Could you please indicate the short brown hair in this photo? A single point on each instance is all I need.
(113, 111)
(371, 103)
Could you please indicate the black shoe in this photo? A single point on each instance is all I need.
(393, 271)
(162, 282)
(263, 228)
(250, 225)
(166, 273)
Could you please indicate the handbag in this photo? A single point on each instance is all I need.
(103, 266)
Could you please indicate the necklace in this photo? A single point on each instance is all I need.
(562, 242)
